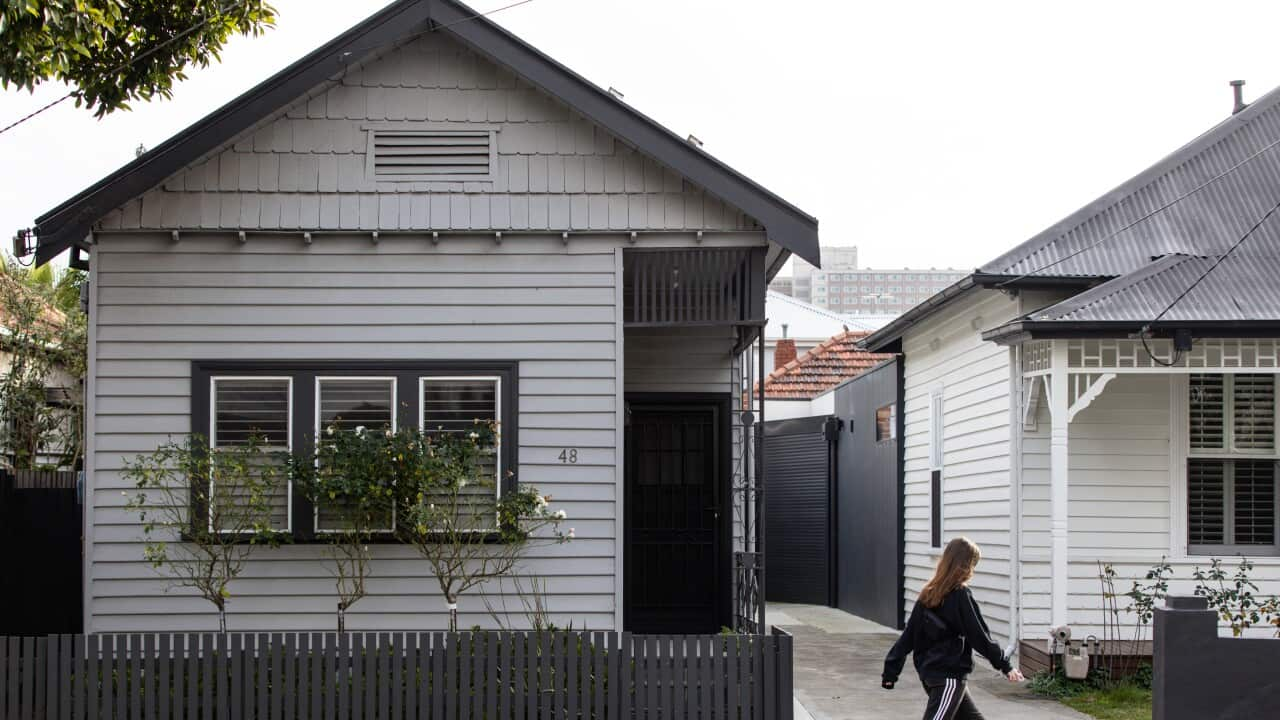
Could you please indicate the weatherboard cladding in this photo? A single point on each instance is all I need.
(305, 167)
(1205, 222)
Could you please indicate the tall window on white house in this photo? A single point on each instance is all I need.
(349, 404)
(242, 408)
(455, 405)
(935, 468)
(1231, 470)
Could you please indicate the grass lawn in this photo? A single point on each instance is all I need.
(1123, 702)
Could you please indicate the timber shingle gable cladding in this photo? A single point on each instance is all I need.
(305, 168)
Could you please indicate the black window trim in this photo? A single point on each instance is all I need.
(304, 374)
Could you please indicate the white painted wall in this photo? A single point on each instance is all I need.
(946, 353)
(1126, 464)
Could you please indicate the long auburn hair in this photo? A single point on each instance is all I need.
(955, 568)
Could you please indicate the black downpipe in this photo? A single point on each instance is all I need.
(760, 484)
(902, 490)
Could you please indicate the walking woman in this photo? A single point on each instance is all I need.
(945, 627)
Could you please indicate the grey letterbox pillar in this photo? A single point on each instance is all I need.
(1199, 675)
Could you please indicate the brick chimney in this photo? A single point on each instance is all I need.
(784, 353)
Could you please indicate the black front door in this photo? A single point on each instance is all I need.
(676, 513)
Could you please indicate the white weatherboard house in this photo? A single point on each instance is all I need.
(429, 219)
(1106, 391)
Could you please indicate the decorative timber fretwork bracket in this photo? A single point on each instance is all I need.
(1082, 390)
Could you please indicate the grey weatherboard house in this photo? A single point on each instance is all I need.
(429, 219)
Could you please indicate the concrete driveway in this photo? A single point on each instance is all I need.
(838, 660)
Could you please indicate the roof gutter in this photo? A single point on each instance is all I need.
(884, 339)
(1021, 330)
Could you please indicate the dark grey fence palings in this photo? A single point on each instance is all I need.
(355, 676)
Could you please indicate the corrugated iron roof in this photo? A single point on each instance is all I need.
(1243, 289)
(822, 368)
(1205, 222)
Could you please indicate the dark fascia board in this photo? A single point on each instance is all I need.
(1020, 330)
(71, 221)
(887, 338)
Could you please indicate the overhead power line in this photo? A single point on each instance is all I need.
(1156, 211)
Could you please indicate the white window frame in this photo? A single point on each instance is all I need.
(497, 414)
(937, 462)
(1180, 529)
(213, 439)
(395, 415)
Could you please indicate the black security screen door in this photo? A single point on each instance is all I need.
(675, 515)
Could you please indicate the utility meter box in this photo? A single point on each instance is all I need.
(1075, 660)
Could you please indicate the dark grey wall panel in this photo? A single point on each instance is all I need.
(798, 533)
(868, 517)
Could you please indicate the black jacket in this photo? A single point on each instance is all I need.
(941, 641)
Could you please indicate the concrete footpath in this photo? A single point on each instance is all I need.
(838, 660)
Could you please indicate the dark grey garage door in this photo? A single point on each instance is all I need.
(798, 526)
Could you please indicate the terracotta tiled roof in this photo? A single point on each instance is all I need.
(51, 316)
(822, 368)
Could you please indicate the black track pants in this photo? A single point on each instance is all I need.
(949, 700)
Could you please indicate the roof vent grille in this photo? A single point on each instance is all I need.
(404, 155)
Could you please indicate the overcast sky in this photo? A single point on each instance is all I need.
(925, 133)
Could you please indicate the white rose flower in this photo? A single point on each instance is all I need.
(360, 430)
(560, 515)
(473, 435)
(388, 433)
(569, 534)
(329, 430)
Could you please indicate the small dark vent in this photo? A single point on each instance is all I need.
(431, 154)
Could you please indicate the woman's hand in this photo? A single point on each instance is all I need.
(1015, 675)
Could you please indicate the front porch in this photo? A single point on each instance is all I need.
(1153, 454)
(693, 547)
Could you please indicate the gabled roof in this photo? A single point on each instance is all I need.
(1197, 201)
(822, 368)
(70, 222)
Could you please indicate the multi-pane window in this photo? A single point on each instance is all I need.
(886, 423)
(292, 404)
(245, 408)
(1231, 470)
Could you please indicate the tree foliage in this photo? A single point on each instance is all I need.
(116, 51)
(43, 349)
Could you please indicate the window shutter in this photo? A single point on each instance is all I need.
(348, 404)
(245, 407)
(1206, 490)
(1207, 408)
(1253, 399)
(1254, 485)
(454, 405)
(432, 154)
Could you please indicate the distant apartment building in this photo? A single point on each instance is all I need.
(843, 287)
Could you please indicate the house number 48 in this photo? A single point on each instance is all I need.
(569, 456)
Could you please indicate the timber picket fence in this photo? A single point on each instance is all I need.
(368, 676)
